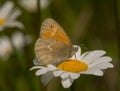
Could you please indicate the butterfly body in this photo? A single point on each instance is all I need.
(53, 44)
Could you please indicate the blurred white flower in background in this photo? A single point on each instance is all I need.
(44, 4)
(19, 41)
(8, 16)
(31, 5)
(5, 47)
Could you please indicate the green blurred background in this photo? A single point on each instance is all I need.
(92, 24)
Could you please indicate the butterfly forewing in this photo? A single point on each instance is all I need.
(51, 29)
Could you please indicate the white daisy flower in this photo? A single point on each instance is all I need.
(5, 48)
(19, 40)
(92, 62)
(31, 5)
(8, 16)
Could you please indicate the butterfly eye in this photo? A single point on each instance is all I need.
(75, 49)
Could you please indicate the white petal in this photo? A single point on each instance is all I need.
(36, 62)
(57, 73)
(91, 56)
(104, 59)
(74, 75)
(65, 75)
(73, 57)
(5, 47)
(51, 67)
(15, 24)
(14, 15)
(36, 67)
(18, 40)
(102, 63)
(6, 9)
(30, 5)
(97, 72)
(41, 71)
(103, 66)
(1, 28)
(66, 83)
(44, 4)
(82, 56)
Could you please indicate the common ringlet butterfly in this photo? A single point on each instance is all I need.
(53, 44)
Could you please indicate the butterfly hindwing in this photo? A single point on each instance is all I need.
(51, 51)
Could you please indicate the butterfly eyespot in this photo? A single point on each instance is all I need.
(51, 26)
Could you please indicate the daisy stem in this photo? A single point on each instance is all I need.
(18, 55)
(117, 18)
(39, 13)
(22, 62)
(117, 24)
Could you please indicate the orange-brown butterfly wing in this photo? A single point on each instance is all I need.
(49, 51)
(51, 29)
(53, 45)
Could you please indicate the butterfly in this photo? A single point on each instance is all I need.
(53, 45)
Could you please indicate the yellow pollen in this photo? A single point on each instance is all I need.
(73, 66)
(2, 21)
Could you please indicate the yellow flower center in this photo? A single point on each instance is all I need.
(73, 66)
(2, 21)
